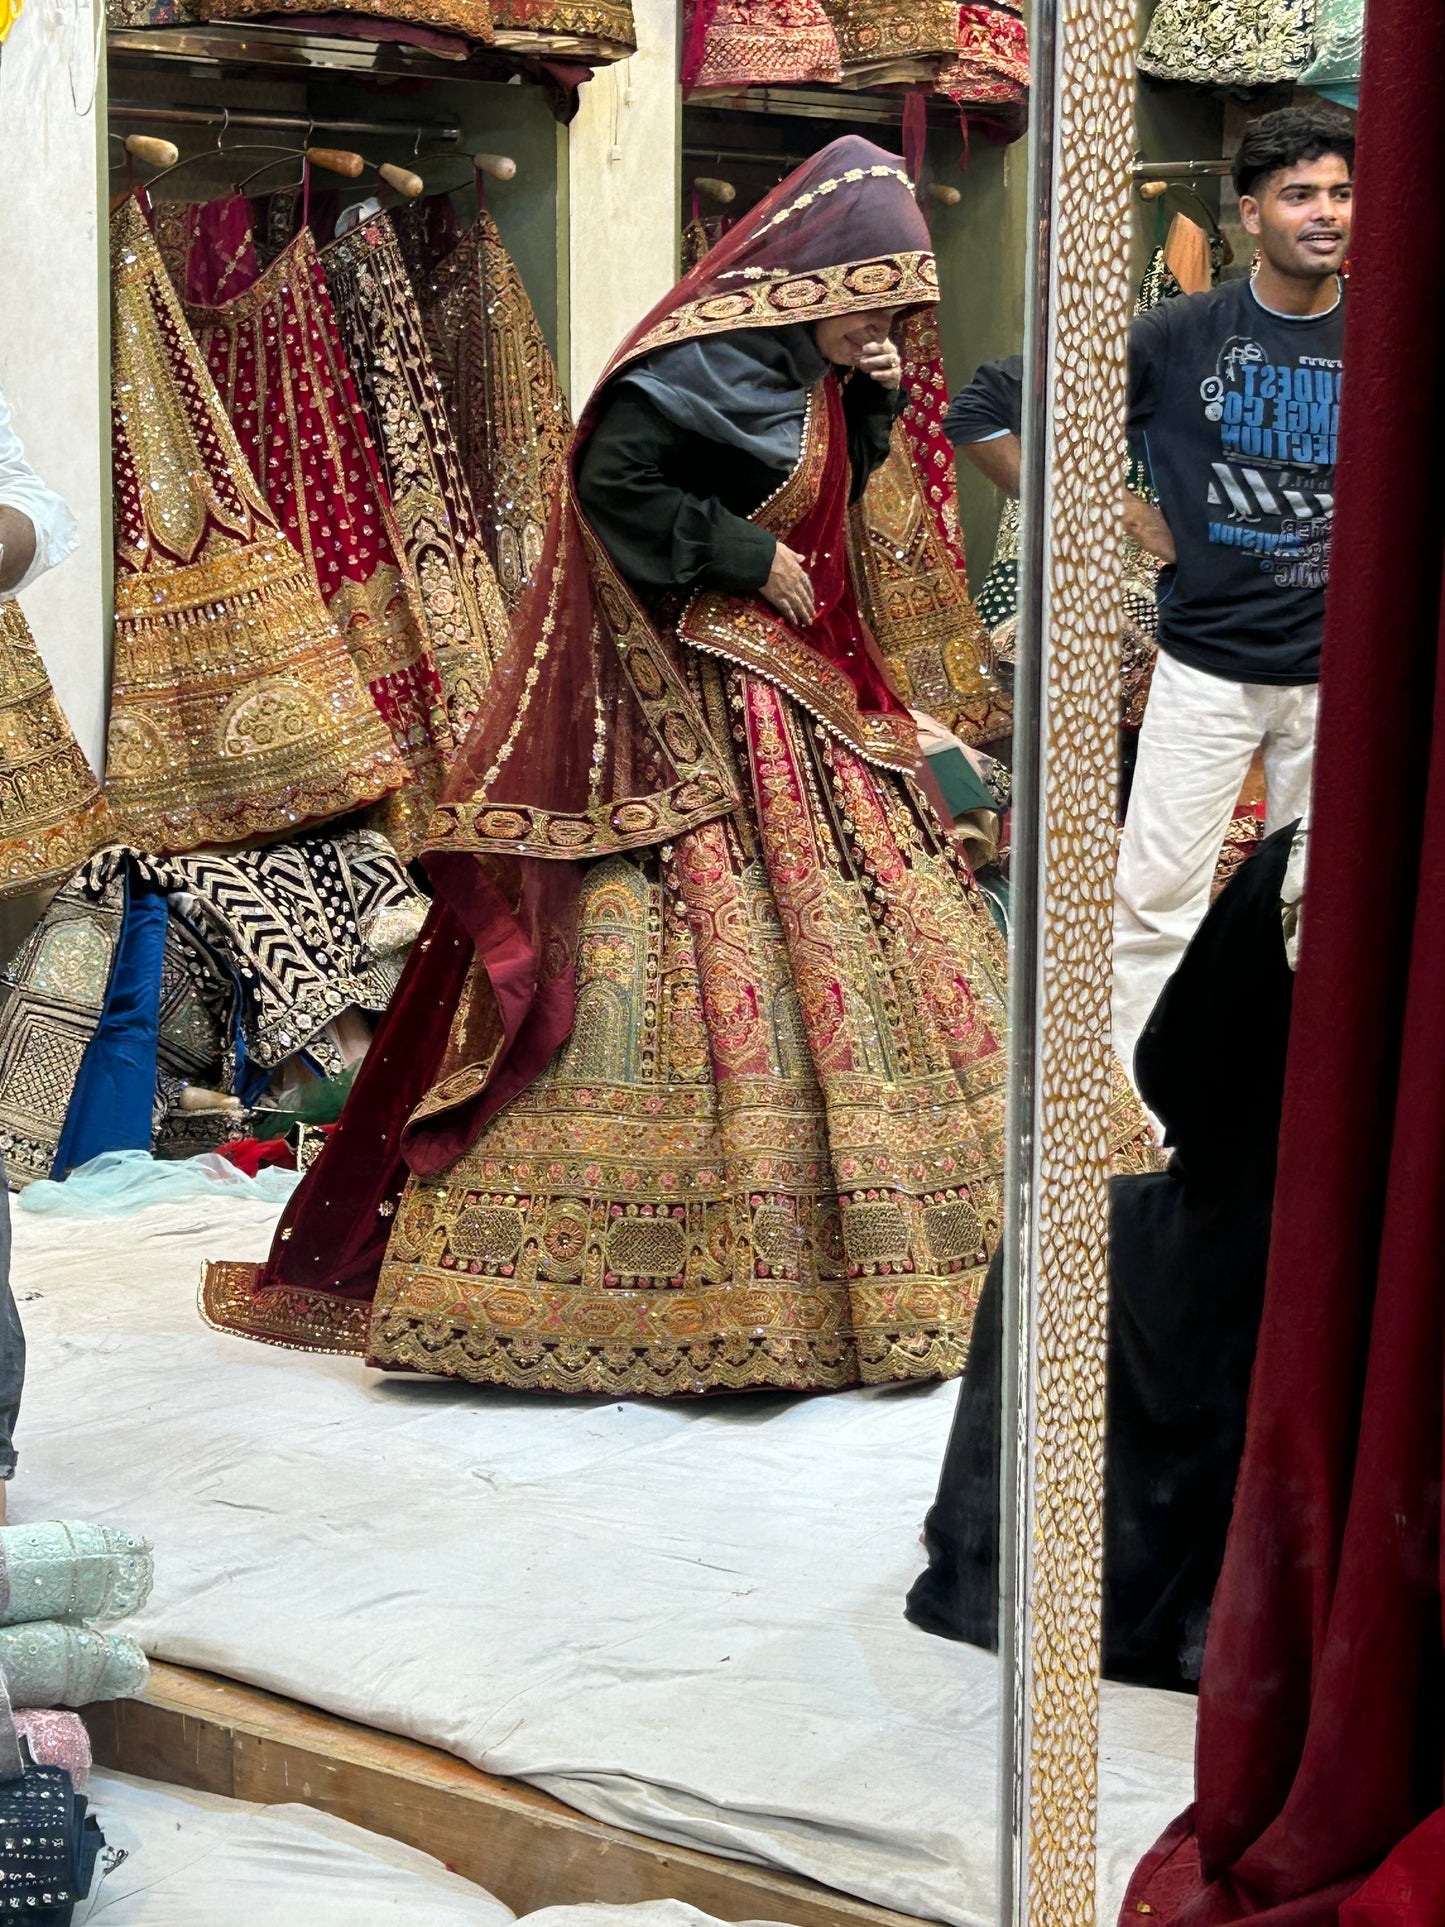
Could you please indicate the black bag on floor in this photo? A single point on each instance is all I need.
(48, 1842)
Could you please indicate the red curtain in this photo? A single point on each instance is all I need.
(1320, 1712)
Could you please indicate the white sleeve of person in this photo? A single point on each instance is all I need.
(22, 489)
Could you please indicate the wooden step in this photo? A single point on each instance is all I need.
(196, 1730)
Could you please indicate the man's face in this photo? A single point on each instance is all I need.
(1301, 216)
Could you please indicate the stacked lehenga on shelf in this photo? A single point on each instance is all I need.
(590, 30)
(989, 73)
(52, 811)
(1229, 43)
(889, 43)
(729, 44)
(502, 390)
(235, 709)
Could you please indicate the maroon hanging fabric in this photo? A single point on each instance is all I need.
(1320, 1717)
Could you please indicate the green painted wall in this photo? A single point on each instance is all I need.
(530, 211)
(980, 246)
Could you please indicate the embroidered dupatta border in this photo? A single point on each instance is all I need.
(886, 281)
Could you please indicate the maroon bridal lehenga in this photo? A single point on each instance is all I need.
(695, 1080)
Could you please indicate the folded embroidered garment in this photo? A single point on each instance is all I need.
(71, 1571)
(51, 1664)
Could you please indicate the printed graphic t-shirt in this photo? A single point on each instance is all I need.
(1235, 411)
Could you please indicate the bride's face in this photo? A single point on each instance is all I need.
(842, 338)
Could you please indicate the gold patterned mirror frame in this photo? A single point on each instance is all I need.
(1065, 782)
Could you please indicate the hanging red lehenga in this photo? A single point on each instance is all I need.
(275, 354)
(695, 1080)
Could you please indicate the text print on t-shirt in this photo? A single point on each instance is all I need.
(1278, 427)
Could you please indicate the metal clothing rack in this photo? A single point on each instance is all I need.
(1179, 170)
(442, 134)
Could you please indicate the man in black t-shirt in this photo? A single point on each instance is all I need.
(1234, 401)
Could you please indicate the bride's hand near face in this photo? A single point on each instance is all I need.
(880, 361)
(788, 587)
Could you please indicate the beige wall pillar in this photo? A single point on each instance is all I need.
(54, 333)
(623, 167)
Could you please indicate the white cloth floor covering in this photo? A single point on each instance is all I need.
(193, 1857)
(685, 1619)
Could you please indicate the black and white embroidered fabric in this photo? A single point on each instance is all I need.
(308, 929)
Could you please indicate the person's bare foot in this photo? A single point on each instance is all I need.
(4, 1488)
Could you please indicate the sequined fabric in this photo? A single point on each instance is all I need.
(52, 812)
(120, 14)
(503, 394)
(1339, 51)
(583, 29)
(276, 357)
(52, 1663)
(69, 1569)
(57, 1739)
(472, 19)
(381, 329)
(235, 709)
(893, 41)
(51, 993)
(1229, 43)
(767, 43)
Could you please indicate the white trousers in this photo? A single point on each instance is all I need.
(1197, 742)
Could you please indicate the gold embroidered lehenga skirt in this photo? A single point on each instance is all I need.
(503, 395)
(235, 709)
(771, 1152)
(52, 812)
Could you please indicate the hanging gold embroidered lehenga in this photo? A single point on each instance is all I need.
(506, 403)
(695, 1078)
(908, 555)
(235, 709)
(52, 812)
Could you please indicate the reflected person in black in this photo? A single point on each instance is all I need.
(1189, 1247)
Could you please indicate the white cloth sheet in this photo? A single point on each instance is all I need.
(685, 1619)
(193, 1857)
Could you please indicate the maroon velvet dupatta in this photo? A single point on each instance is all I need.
(1321, 1722)
(590, 742)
